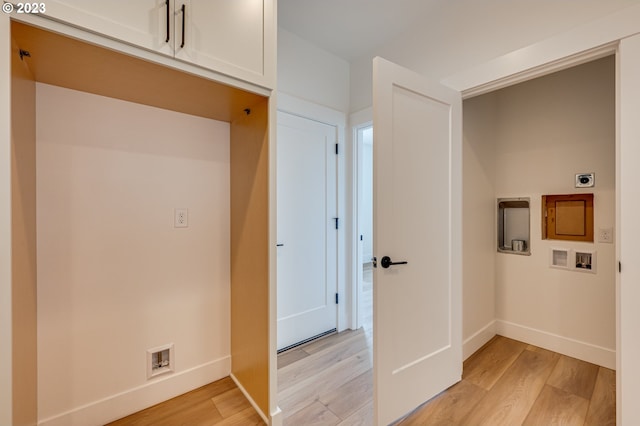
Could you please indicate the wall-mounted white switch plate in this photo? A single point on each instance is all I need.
(181, 218)
(605, 235)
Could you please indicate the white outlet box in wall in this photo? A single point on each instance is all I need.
(160, 360)
(181, 218)
(573, 260)
(559, 258)
(585, 261)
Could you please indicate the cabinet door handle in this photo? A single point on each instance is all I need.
(167, 6)
(184, 12)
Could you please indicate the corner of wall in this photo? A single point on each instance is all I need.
(23, 242)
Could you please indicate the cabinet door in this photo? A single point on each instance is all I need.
(227, 36)
(144, 23)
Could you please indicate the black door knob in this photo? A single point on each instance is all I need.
(385, 262)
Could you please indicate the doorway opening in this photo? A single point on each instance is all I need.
(364, 141)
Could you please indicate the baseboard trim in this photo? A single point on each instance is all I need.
(128, 402)
(276, 417)
(478, 339)
(574, 348)
(251, 401)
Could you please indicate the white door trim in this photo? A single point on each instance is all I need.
(302, 108)
(357, 121)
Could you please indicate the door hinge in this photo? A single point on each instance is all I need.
(336, 219)
(619, 266)
(336, 298)
(336, 149)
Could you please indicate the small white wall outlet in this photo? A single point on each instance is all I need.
(160, 360)
(605, 235)
(181, 218)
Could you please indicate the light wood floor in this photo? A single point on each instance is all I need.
(329, 382)
(219, 403)
(511, 383)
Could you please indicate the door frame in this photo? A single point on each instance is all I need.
(305, 109)
(582, 44)
(357, 121)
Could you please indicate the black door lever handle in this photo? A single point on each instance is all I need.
(385, 262)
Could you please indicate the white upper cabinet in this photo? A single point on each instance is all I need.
(232, 37)
(226, 35)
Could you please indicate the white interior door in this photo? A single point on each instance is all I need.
(417, 200)
(307, 234)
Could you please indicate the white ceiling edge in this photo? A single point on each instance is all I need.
(565, 50)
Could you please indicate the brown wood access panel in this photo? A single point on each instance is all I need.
(567, 217)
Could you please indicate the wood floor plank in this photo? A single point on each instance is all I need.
(556, 407)
(195, 403)
(329, 341)
(602, 409)
(246, 417)
(514, 394)
(362, 417)
(230, 402)
(314, 414)
(319, 361)
(298, 396)
(349, 397)
(486, 366)
(448, 408)
(574, 376)
(291, 356)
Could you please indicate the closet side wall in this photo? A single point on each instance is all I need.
(250, 348)
(115, 277)
(548, 130)
(23, 242)
(478, 221)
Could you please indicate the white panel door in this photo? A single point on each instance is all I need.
(417, 200)
(307, 235)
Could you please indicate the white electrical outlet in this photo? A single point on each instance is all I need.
(605, 235)
(181, 218)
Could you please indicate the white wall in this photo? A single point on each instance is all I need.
(464, 33)
(115, 278)
(311, 73)
(546, 131)
(478, 221)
